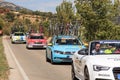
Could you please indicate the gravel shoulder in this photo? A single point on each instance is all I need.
(15, 73)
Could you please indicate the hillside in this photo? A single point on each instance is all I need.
(10, 6)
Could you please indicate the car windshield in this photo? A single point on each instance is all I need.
(106, 48)
(67, 42)
(36, 37)
(19, 34)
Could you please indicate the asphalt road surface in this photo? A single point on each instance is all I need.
(34, 65)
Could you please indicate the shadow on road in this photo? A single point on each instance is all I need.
(62, 63)
(36, 49)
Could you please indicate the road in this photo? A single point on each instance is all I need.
(34, 65)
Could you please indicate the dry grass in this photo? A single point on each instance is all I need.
(4, 68)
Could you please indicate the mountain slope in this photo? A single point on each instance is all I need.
(10, 6)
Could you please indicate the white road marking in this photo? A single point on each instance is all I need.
(17, 63)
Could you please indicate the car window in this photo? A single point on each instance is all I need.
(83, 51)
(36, 37)
(105, 48)
(19, 34)
(67, 42)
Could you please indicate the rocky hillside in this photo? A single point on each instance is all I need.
(10, 6)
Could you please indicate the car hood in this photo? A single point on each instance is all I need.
(106, 60)
(68, 47)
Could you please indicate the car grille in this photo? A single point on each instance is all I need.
(37, 46)
(38, 42)
(69, 52)
(19, 40)
(116, 71)
(67, 59)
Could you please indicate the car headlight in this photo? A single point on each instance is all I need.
(14, 39)
(100, 68)
(59, 52)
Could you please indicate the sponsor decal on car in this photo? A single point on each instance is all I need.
(115, 59)
(105, 75)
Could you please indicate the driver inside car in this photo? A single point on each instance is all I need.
(97, 50)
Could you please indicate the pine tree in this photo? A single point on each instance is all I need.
(97, 17)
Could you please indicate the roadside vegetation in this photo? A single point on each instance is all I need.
(93, 19)
(4, 68)
(100, 18)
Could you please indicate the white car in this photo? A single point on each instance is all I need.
(101, 66)
(18, 37)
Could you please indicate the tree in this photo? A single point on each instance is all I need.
(45, 26)
(97, 17)
(27, 24)
(10, 17)
(65, 16)
(65, 12)
(1, 23)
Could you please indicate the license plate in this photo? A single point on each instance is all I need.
(118, 76)
(69, 56)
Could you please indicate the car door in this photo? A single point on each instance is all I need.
(79, 61)
(49, 48)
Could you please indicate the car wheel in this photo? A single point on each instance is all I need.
(86, 74)
(51, 59)
(47, 60)
(12, 42)
(27, 47)
(73, 73)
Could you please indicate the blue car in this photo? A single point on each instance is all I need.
(62, 47)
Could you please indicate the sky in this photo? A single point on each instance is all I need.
(40, 5)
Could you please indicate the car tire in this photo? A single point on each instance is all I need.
(47, 60)
(51, 59)
(12, 42)
(27, 47)
(73, 73)
(86, 74)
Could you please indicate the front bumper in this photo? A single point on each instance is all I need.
(18, 41)
(36, 46)
(57, 58)
(112, 74)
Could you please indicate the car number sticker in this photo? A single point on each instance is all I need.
(70, 56)
(118, 76)
(21, 38)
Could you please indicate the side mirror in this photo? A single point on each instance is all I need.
(86, 44)
(83, 52)
(49, 44)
